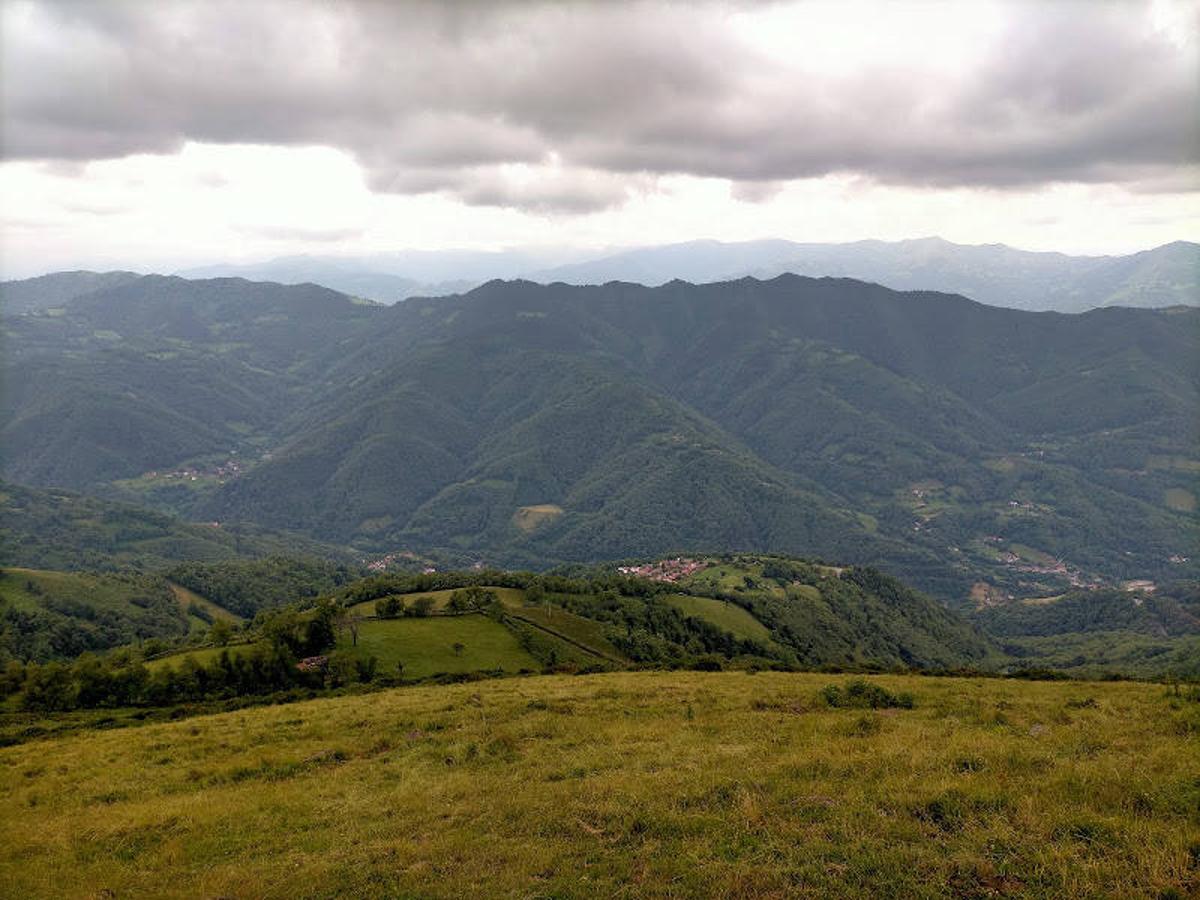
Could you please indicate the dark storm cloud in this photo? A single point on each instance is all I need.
(450, 97)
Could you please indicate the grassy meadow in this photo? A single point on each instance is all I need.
(450, 644)
(727, 616)
(624, 784)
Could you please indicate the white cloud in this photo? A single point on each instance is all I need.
(183, 131)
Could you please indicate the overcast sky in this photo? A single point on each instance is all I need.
(159, 135)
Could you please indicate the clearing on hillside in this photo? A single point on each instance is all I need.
(188, 598)
(1180, 500)
(202, 656)
(528, 518)
(724, 614)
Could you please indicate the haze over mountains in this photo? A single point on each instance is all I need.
(994, 274)
(947, 441)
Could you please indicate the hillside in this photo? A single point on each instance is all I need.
(944, 441)
(695, 784)
(53, 529)
(1094, 632)
(48, 615)
(47, 292)
(815, 417)
(148, 375)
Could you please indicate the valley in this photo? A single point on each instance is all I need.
(529, 426)
(587, 450)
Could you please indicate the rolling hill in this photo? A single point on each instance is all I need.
(57, 289)
(53, 529)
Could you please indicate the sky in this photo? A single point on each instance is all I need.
(156, 136)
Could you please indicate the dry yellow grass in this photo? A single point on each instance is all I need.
(623, 784)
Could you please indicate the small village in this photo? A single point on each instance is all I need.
(226, 471)
(397, 557)
(668, 570)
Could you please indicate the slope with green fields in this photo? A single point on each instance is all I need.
(46, 615)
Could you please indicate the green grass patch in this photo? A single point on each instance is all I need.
(188, 598)
(1029, 554)
(201, 656)
(427, 646)
(586, 633)
(725, 615)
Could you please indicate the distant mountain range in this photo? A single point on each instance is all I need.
(952, 443)
(993, 274)
(388, 277)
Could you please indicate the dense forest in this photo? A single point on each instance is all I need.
(524, 425)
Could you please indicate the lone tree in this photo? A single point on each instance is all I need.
(220, 632)
(459, 647)
(348, 620)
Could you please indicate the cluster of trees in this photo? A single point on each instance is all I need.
(393, 607)
(860, 617)
(474, 599)
(567, 580)
(648, 630)
(1172, 611)
(245, 587)
(123, 678)
(48, 616)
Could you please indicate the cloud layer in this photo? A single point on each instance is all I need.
(571, 107)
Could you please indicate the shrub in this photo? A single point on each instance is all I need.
(420, 608)
(862, 694)
(389, 607)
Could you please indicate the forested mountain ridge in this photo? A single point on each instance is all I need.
(941, 439)
(997, 274)
(991, 273)
(46, 292)
(159, 371)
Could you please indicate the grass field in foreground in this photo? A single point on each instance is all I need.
(624, 784)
